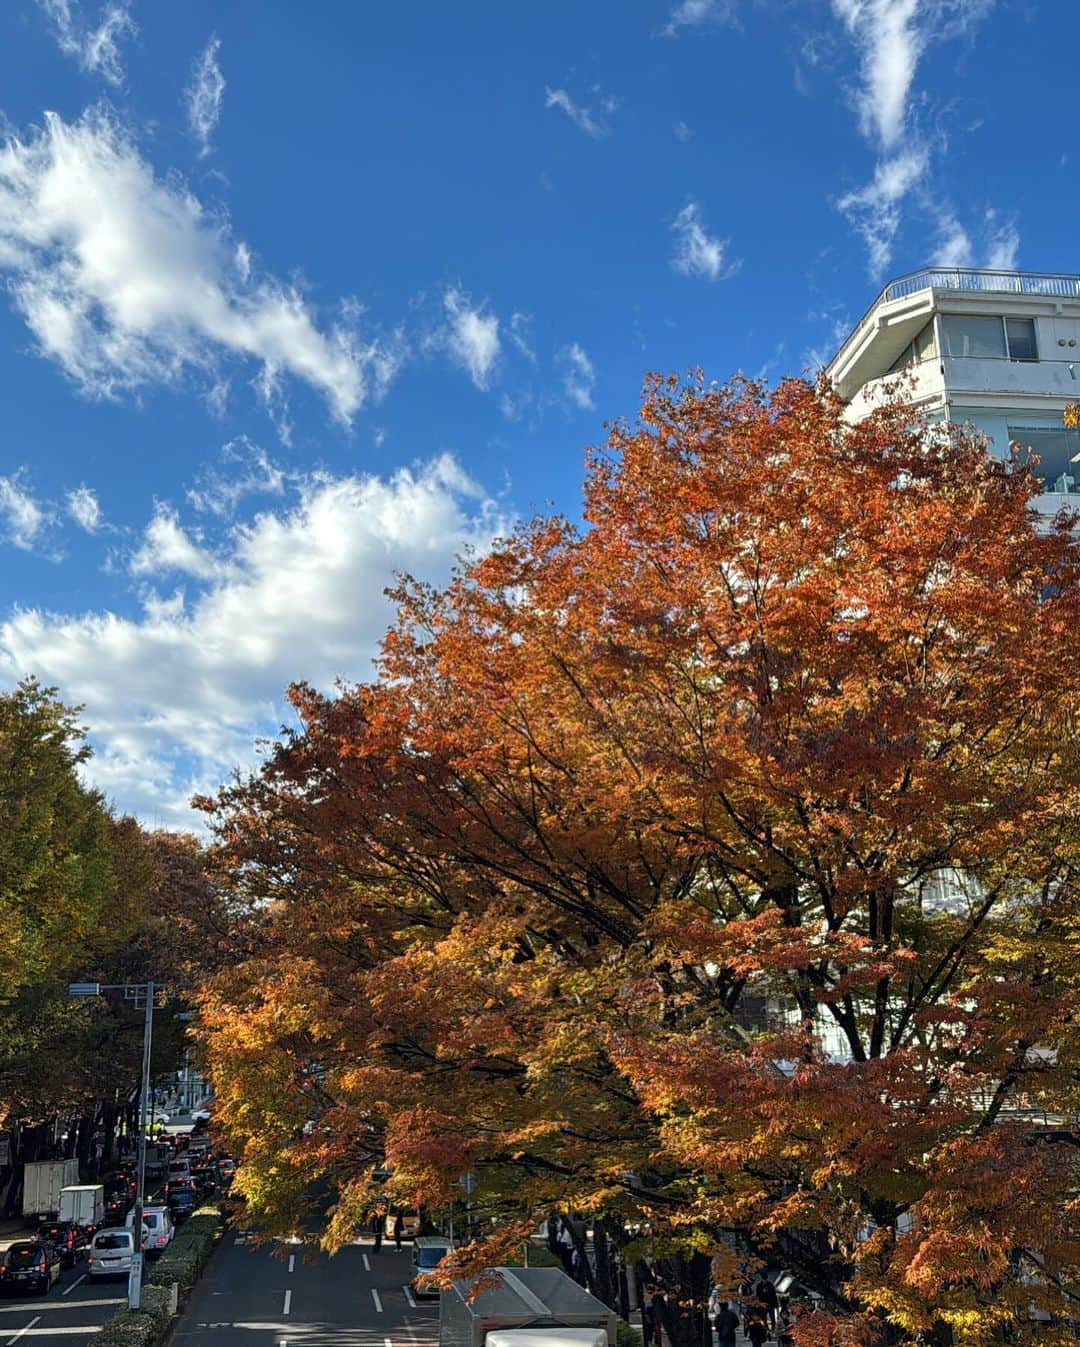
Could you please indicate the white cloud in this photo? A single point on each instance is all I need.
(874, 210)
(96, 49)
(247, 470)
(22, 514)
(168, 547)
(890, 43)
(84, 508)
(203, 97)
(579, 377)
(682, 131)
(520, 325)
(471, 337)
(1003, 242)
(126, 280)
(697, 253)
(954, 244)
(589, 120)
(696, 13)
(178, 693)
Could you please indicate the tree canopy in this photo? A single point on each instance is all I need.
(711, 870)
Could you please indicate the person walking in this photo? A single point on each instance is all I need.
(766, 1293)
(399, 1230)
(757, 1330)
(726, 1323)
(377, 1228)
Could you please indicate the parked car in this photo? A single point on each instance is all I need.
(181, 1204)
(428, 1252)
(200, 1115)
(29, 1265)
(158, 1223)
(66, 1237)
(110, 1253)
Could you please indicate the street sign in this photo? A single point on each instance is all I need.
(135, 1282)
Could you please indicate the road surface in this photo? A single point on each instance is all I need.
(69, 1316)
(255, 1296)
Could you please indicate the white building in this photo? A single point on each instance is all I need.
(998, 349)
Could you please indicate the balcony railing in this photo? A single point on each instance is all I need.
(1055, 284)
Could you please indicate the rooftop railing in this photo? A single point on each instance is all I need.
(1056, 284)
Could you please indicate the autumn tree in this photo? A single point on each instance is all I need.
(710, 872)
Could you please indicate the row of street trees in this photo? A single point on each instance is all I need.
(709, 873)
(85, 895)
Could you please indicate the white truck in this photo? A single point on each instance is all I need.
(530, 1307)
(42, 1182)
(83, 1204)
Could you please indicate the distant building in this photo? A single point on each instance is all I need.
(997, 349)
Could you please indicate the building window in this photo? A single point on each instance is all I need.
(1020, 334)
(989, 338)
(973, 337)
(924, 347)
(1059, 456)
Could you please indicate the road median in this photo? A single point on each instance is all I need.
(181, 1263)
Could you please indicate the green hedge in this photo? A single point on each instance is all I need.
(626, 1335)
(186, 1256)
(181, 1262)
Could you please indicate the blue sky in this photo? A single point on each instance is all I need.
(296, 297)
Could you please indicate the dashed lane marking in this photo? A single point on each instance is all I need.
(367, 1265)
(375, 1297)
(24, 1330)
(409, 1297)
(68, 1289)
(292, 1262)
(288, 1302)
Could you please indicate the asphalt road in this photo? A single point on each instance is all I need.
(255, 1296)
(68, 1316)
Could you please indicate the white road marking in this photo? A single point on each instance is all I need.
(367, 1265)
(292, 1262)
(68, 1289)
(21, 1331)
(375, 1297)
(389, 1342)
(408, 1297)
(288, 1302)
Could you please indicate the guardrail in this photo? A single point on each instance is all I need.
(1055, 284)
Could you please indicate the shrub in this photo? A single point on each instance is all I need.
(186, 1256)
(626, 1335)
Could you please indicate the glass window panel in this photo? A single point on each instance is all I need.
(1057, 450)
(964, 336)
(1020, 333)
(903, 361)
(925, 343)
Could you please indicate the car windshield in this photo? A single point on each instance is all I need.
(121, 1240)
(152, 1219)
(430, 1257)
(24, 1255)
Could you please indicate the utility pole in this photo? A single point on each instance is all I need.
(133, 989)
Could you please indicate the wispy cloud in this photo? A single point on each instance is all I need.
(126, 280)
(94, 46)
(84, 508)
(698, 253)
(471, 336)
(245, 469)
(1003, 242)
(682, 131)
(204, 95)
(593, 121)
(22, 516)
(579, 377)
(875, 210)
(696, 13)
(891, 37)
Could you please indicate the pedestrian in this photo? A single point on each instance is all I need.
(757, 1330)
(726, 1323)
(646, 1315)
(377, 1228)
(399, 1230)
(766, 1293)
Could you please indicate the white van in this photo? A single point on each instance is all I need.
(158, 1224)
(428, 1252)
(110, 1253)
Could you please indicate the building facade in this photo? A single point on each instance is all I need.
(997, 349)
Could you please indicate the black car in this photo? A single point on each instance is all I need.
(29, 1265)
(181, 1204)
(66, 1237)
